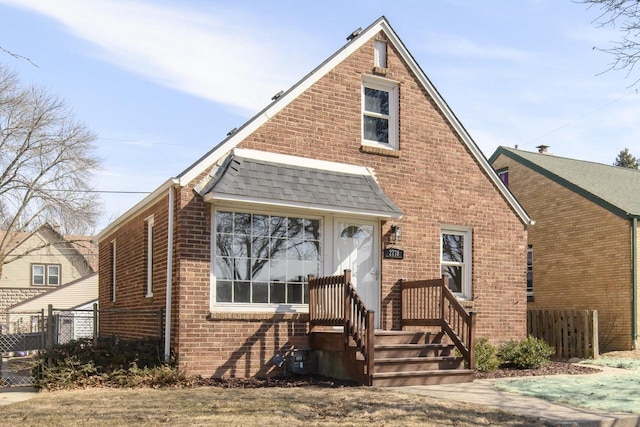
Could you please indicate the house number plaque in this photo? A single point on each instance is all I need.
(394, 253)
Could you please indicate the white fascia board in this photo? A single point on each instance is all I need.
(280, 103)
(211, 198)
(304, 162)
(148, 200)
(453, 120)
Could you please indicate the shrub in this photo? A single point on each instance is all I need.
(110, 363)
(529, 353)
(486, 356)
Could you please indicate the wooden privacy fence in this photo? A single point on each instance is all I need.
(571, 333)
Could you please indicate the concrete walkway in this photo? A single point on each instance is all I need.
(483, 392)
(16, 394)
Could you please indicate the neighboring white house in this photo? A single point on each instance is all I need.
(72, 302)
(39, 261)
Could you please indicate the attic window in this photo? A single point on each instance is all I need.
(380, 54)
(503, 174)
(379, 113)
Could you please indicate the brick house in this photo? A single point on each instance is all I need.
(588, 211)
(360, 157)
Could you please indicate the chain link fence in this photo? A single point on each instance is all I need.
(24, 334)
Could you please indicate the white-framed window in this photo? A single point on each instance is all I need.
(112, 268)
(455, 259)
(380, 54)
(45, 274)
(379, 112)
(262, 261)
(530, 271)
(149, 257)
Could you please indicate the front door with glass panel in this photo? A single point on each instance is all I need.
(355, 248)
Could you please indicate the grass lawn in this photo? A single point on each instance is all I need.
(612, 393)
(245, 407)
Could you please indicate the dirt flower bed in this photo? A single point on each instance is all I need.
(290, 381)
(552, 368)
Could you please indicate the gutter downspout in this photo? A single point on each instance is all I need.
(167, 321)
(634, 282)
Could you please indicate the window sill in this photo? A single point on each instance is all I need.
(258, 316)
(382, 151)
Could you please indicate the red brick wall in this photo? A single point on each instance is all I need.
(131, 267)
(434, 180)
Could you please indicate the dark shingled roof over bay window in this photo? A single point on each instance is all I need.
(298, 183)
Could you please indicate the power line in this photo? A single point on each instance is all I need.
(580, 118)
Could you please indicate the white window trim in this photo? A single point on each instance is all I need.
(393, 88)
(467, 274)
(530, 250)
(49, 274)
(112, 247)
(150, 223)
(45, 274)
(215, 306)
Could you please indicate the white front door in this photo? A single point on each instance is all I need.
(356, 249)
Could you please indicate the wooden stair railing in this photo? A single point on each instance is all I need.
(333, 301)
(431, 303)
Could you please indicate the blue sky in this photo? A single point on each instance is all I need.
(162, 82)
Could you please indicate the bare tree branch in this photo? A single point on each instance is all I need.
(625, 16)
(17, 56)
(47, 163)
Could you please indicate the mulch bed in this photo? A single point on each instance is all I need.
(290, 381)
(552, 368)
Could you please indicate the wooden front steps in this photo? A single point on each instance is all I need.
(416, 358)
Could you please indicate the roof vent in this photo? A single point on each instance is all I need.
(232, 131)
(354, 34)
(277, 95)
(542, 149)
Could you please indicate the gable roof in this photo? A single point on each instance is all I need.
(279, 102)
(614, 188)
(74, 245)
(276, 179)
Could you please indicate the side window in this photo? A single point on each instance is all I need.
(53, 275)
(455, 259)
(148, 293)
(112, 268)
(503, 174)
(45, 274)
(37, 274)
(380, 113)
(530, 272)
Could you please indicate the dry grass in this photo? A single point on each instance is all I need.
(258, 407)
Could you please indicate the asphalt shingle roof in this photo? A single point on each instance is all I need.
(284, 183)
(616, 188)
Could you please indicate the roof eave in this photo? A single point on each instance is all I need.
(142, 204)
(384, 215)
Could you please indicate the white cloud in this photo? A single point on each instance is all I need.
(199, 52)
